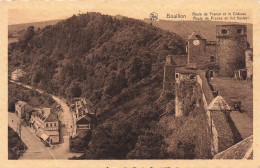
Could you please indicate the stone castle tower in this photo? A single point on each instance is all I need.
(230, 48)
(196, 49)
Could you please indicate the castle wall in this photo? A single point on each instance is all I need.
(178, 106)
(249, 63)
(206, 100)
(210, 51)
(230, 47)
(169, 78)
(172, 61)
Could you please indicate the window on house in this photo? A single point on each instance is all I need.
(212, 58)
(224, 31)
(47, 125)
(54, 124)
(239, 31)
(50, 124)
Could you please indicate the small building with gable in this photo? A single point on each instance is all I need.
(22, 108)
(17, 74)
(85, 123)
(82, 108)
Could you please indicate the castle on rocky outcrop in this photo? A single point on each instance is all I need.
(229, 56)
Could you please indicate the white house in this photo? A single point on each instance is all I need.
(17, 74)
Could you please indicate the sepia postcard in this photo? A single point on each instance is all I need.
(129, 83)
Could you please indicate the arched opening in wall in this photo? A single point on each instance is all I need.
(177, 75)
(239, 31)
(224, 31)
(192, 76)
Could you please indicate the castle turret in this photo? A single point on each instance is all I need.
(230, 48)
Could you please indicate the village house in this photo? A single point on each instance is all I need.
(22, 108)
(85, 120)
(46, 125)
(82, 107)
(17, 74)
(86, 123)
(83, 131)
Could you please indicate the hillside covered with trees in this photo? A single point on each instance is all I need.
(118, 65)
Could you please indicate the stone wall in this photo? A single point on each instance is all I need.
(214, 134)
(249, 63)
(169, 78)
(197, 54)
(187, 97)
(221, 134)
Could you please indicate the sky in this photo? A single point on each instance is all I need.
(26, 12)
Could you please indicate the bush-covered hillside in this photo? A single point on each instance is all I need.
(13, 145)
(117, 64)
(18, 93)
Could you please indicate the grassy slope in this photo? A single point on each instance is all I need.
(235, 89)
(183, 28)
(15, 29)
(207, 28)
(19, 27)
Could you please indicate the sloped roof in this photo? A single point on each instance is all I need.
(197, 35)
(241, 150)
(184, 70)
(52, 117)
(81, 134)
(53, 106)
(18, 71)
(218, 104)
(21, 103)
(84, 120)
(46, 115)
(45, 112)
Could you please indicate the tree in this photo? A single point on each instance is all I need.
(149, 146)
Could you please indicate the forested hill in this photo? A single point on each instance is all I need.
(117, 64)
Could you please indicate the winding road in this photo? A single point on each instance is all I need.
(36, 149)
